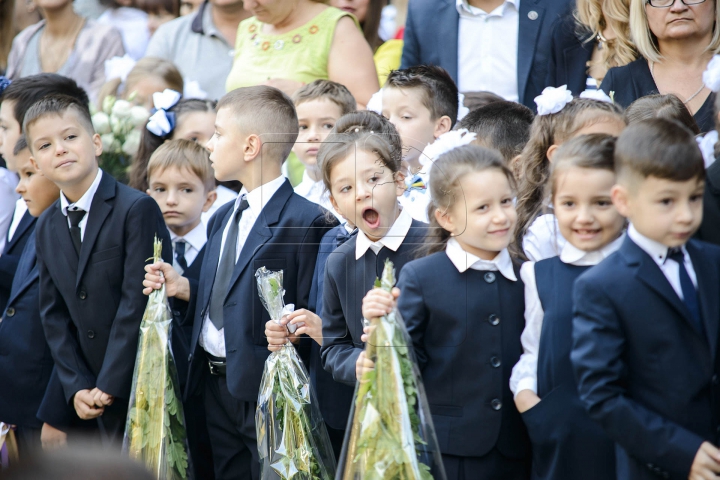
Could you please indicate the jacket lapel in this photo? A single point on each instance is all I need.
(576, 57)
(448, 19)
(99, 210)
(708, 282)
(527, 39)
(27, 271)
(26, 222)
(62, 233)
(213, 256)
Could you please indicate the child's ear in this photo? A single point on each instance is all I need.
(252, 147)
(445, 220)
(620, 198)
(148, 191)
(551, 152)
(400, 186)
(98, 145)
(442, 125)
(209, 200)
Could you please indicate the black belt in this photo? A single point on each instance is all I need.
(217, 365)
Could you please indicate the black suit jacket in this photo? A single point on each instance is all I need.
(570, 52)
(285, 237)
(431, 38)
(91, 307)
(11, 256)
(709, 230)
(643, 371)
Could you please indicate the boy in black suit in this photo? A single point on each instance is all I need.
(646, 319)
(269, 225)
(92, 245)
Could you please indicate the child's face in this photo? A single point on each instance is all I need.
(196, 126)
(10, 131)
(63, 149)
(226, 147)
(365, 191)
(483, 217)
(37, 191)
(584, 210)
(666, 211)
(315, 118)
(181, 196)
(144, 89)
(413, 121)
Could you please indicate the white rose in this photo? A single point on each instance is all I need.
(107, 142)
(132, 143)
(139, 116)
(711, 76)
(108, 103)
(119, 125)
(101, 122)
(552, 100)
(122, 109)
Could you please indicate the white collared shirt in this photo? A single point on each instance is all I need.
(488, 49)
(524, 373)
(194, 240)
(465, 260)
(83, 204)
(20, 209)
(543, 239)
(392, 239)
(316, 192)
(658, 252)
(8, 197)
(212, 339)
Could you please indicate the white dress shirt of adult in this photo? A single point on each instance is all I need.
(83, 204)
(524, 373)
(212, 339)
(488, 49)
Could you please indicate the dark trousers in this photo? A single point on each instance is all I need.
(28, 440)
(494, 465)
(198, 438)
(336, 440)
(231, 426)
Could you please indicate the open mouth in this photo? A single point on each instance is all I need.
(371, 217)
(587, 233)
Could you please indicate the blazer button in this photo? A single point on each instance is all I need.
(715, 380)
(91, 334)
(496, 404)
(190, 358)
(494, 320)
(82, 295)
(10, 312)
(489, 277)
(495, 362)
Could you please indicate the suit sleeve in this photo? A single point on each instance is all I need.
(61, 333)
(551, 79)
(411, 45)
(142, 223)
(54, 410)
(414, 312)
(597, 358)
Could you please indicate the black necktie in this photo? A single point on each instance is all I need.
(343, 236)
(76, 217)
(225, 268)
(690, 296)
(180, 254)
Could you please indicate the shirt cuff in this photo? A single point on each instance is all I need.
(526, 383)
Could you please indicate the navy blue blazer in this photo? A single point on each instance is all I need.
(643, 371)
(285, 237)
(431, 38)
(11, 256)
(634, 80)
(570, 51)
(92, 305)
(709, 230)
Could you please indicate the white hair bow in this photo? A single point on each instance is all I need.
(119, 67)
(444, 143)
(552, 100)
(711, 75)
(598, 95)
(707, 147)
(162, 122)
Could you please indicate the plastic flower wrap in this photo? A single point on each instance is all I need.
(391, 434)
(293, 442)
(119, 124)
(155, 430)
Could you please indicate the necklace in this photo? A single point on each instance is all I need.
(687, 100)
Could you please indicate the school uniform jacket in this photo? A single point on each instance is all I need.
(465, 329)
(285, 237)
(91, 305)
(11, 256)
(643, 371)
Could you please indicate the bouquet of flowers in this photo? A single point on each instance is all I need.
(293, 442)
(391, 435)
(119, 124)
(155, 429)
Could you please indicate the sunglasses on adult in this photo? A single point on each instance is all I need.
(669, 3)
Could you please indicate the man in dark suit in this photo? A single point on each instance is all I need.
(491, 45)
(92, 245)
(646, 319)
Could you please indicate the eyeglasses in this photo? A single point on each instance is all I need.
(670, 3)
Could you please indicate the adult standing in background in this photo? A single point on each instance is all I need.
(500, 46)
(201, 44)
(290, 43)
(587, 43)
(676, 40)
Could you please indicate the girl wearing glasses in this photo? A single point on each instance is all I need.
(676, 40)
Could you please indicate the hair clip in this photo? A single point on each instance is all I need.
(4, 83)
(162, 122)
(598, 95)
(711, 75)
(552, 100)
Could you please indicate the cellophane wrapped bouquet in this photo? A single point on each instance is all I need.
(155, 430)
(293, 442)
(390, 435)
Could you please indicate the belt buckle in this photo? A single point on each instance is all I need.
(214, 368)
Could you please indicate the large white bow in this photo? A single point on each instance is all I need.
(166, 99)
(443, 144)
(159, 123)
(119, 67)
(552, 100)
(711, 75)
(598, 95)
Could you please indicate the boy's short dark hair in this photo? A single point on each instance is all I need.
(658, 147)
(333, 91)
(26, 91)
(439, 92)
(58, 105)
(504, 126)
(20, 145)
(183, 154)
(265, 111)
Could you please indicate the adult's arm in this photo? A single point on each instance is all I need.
(351, 62)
